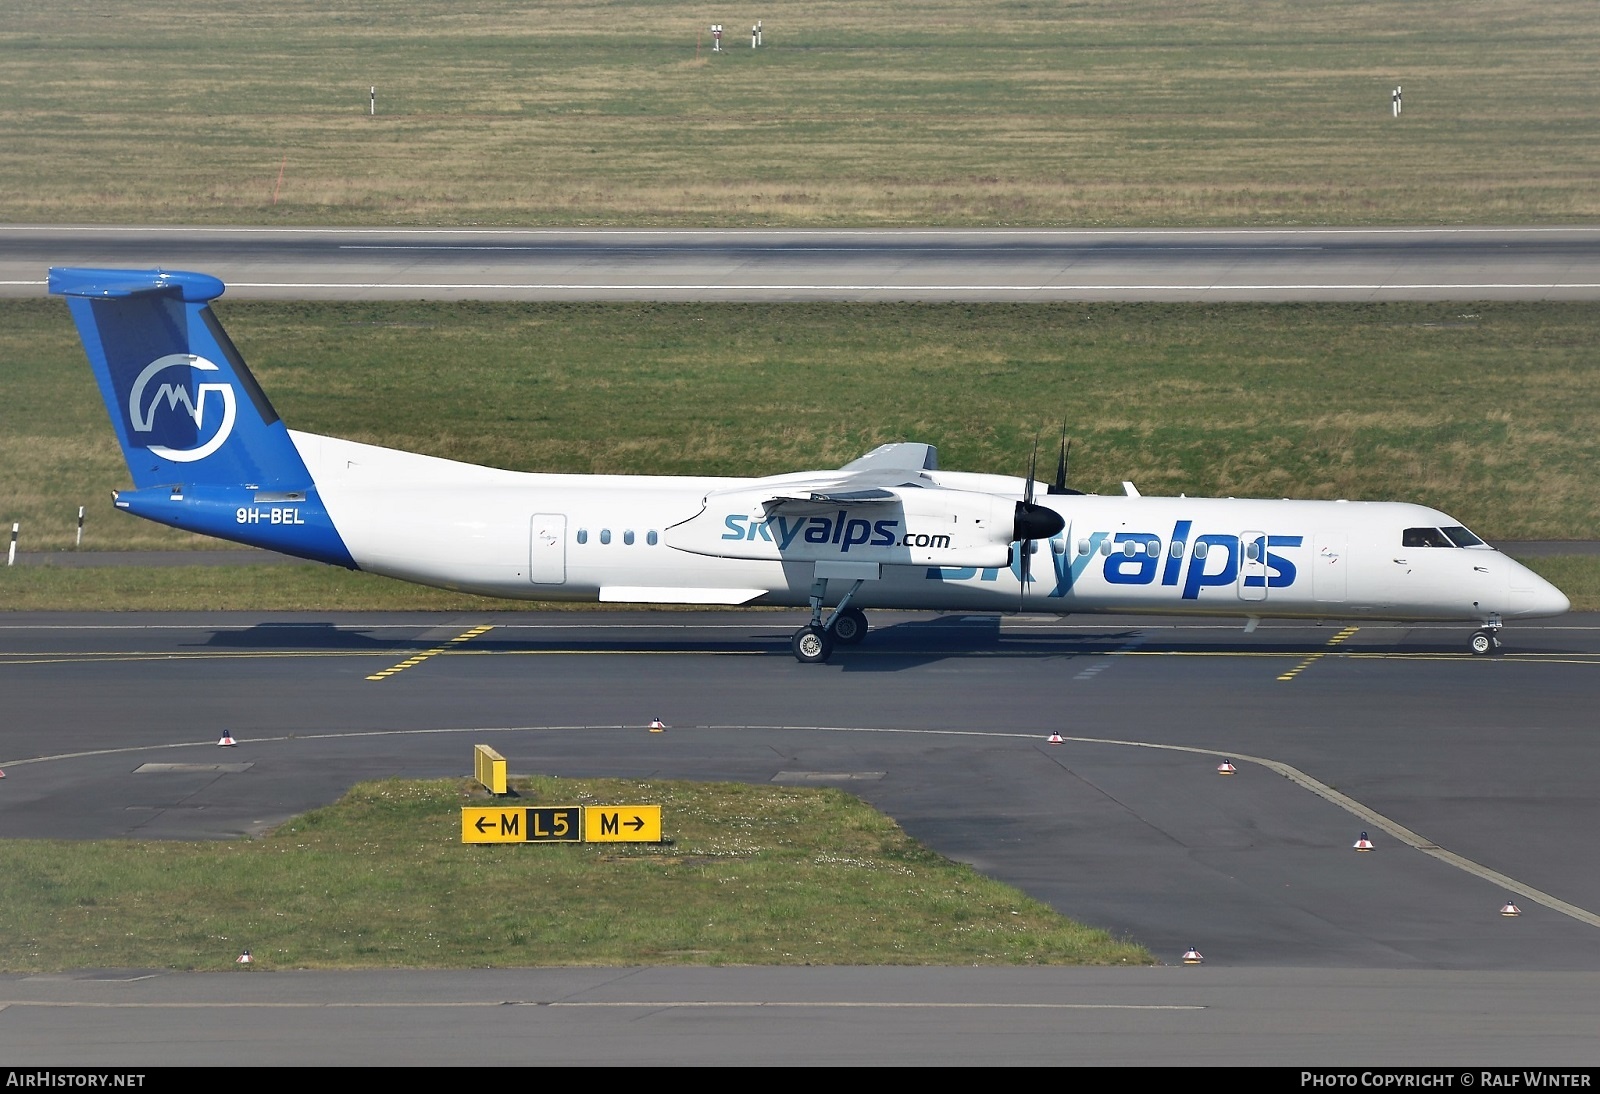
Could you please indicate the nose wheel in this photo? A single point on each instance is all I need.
(1484, 642)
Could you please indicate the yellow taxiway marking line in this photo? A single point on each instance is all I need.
(121, 656)
(1314, 658)
(417, 659)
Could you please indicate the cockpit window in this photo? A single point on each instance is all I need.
(1425, 537)
(1463, 538)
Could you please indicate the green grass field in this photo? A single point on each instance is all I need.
(934, 112)
(754, 875)
(1490, 412)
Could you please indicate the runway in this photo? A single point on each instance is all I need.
(1473, 777)
(1324, 264)
(810, 1017)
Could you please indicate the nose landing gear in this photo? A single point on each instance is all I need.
(1486, 641)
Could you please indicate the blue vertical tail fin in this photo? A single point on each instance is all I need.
(183, 404)
(203, 444)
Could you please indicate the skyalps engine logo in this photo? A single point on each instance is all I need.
(159, 392)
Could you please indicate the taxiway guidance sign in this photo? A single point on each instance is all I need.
(494, 825)
(622, 824)
(561, 824)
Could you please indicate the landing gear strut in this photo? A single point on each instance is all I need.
(846, 626)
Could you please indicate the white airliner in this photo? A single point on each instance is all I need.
(207, 453)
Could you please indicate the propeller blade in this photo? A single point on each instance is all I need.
(1060, 485)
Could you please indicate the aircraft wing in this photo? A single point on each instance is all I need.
(900, 456)
(882, 508)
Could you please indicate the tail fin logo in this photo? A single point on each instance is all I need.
(143, 408)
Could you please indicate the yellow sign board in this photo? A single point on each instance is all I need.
(489, 768)
(555, 824)
(561, 824)
(494, 825)
(622, 824)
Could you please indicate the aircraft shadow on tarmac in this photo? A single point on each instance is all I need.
(895, 647)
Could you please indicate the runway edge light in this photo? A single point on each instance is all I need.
(1192, 956)
(1226, 768)
(1510, 910)
(1363, 844)
(1055, 738)
(244, 959)
(226, 741)
(657, 726)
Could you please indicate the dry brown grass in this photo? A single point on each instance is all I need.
(945, 112)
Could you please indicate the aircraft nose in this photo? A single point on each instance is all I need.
(1531, 596)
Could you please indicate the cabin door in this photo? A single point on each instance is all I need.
(547, 549)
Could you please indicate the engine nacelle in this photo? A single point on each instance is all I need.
(901, 527)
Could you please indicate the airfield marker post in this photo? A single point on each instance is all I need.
(752, 37)
(372, 102)
(758, 32)
(1395, 101)
(716, 37)
(11, 555)
(80, 529)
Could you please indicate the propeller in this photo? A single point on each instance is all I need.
(1060, 485)
(1033, 522)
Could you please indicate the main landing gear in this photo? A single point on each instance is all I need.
(1486, 641)
(813, 644)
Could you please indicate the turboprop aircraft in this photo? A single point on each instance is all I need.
(207, 453)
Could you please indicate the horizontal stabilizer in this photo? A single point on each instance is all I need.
(192, 288)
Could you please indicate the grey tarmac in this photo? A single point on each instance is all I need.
(1469, 773)
(1326, 264)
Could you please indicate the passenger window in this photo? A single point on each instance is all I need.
(627, 537)
(1252, 551)
(1105, 546)
(1083, 546)
(1176, 550)
(583, 535)
(1425, 537)
(650, 538)
(1200, 549)
(605, 535)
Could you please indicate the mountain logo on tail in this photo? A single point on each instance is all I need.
(146, 401)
